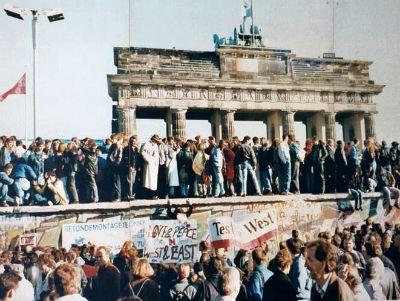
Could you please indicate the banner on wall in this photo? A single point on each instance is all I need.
(253, 229)
(111, 234)
(29, 239)
(169, 241)
(221, 231)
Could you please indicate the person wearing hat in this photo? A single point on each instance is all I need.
(394, 153)
(5, 182)
(384, 157)
(151, 158)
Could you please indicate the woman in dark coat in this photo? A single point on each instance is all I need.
(229, 174)
(143, 286)
(279, 286)
(341, 167)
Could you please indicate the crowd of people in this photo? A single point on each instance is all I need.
(352, 264)
(51, 172)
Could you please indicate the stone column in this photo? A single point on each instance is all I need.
(315, 125)
(330, 125)
(352, 127)
(287, 122)
(274, 125)
(227, 124)
(216, 128)
(178, 118)
(126, 117)
(369, 123)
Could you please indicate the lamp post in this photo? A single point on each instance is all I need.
(19, 13)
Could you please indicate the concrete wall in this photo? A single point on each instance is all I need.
(310, 214)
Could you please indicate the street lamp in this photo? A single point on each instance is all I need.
(19, 13)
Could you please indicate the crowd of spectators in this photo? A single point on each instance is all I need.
(51, 172)
(353, 264)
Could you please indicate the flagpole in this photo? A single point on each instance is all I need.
(26, 116)
(34, 33)
(252, 25)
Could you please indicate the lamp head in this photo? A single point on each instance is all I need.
(14, 11)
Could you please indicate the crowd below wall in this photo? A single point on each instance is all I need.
(50, 172)
(356, 263)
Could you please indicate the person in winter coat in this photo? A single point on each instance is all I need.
(91, 169)
(142, 285)
(151, 159)
(185, 171)
(217, 165)
(129, 166)
(279, 286)
(229, 175)
(5, 182)
(114, 158)
(341, 167)
(23, 175)
(107, 282)
(71, 168)
(199, 164)
(260, 275)
(36, 161)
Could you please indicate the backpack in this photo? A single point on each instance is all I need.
(180, 295)
(132, 293)
(206, 292)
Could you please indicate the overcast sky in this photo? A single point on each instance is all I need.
(75, 55)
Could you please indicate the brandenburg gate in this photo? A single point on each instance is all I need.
(243, 82)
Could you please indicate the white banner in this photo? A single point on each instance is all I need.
(169, 241)
(111, 234)
(221, 231)
(253, 229)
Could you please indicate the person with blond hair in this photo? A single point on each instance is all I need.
(230, 285)
(67, 282)
(142, 286)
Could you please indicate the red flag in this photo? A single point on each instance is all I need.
(19, 88)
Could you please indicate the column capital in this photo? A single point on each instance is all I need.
(288, 111)
(372, 114)
(228, 110)
(179, 110)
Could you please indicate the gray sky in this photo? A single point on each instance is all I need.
(75, 55)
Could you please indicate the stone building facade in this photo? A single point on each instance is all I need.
(243, 83)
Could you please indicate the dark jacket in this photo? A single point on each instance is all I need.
(130, 158)
(265, 158)
(36, 161)
(114, 156)
(394, 255)
(279, 287)
(246, 153)
(206, 291)
(71, 162)
(107, 283)
(90, 161)
(337, 290)
(145, 288)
